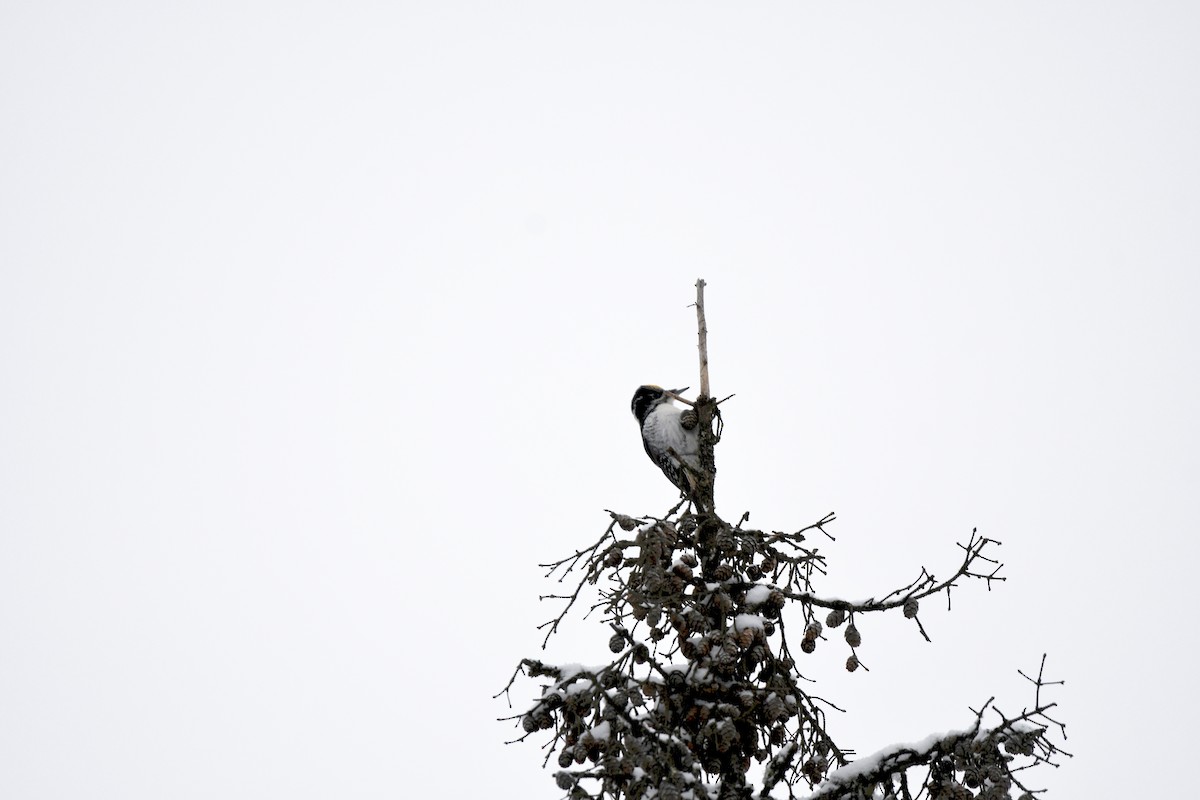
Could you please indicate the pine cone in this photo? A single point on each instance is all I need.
(745, 637)
(853, 637)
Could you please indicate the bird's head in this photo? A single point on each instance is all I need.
(648, 396)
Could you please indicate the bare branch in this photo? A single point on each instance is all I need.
(923, 586)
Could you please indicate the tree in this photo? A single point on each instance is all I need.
(704, 698)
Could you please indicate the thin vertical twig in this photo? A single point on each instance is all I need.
(706, 411)
(702, 326)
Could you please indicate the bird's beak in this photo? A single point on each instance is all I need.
(675, 393)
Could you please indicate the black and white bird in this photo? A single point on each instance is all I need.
(664, 431)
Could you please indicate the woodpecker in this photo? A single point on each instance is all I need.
(664, 431)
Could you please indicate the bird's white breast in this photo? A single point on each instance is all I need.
(663, 430)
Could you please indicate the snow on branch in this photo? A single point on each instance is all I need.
(983, 760)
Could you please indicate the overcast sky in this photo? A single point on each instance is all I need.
(319, 325)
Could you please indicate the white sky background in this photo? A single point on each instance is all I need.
(319, 324)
